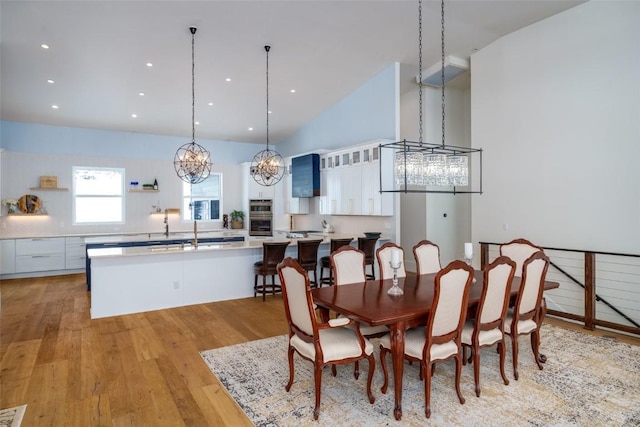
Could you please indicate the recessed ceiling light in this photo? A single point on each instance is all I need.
(149, 64)
(50, 81)
(228, 79)
(134, 115)
(210, 104)
(293, 91)
(250, 129)
(269, 111)
(197, 123)
(141, 93)
(55, 107)
(44, 46)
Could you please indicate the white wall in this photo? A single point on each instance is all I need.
(556, 108)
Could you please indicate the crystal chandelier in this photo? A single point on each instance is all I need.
(192, 161)
(421, 164)
(267, 166)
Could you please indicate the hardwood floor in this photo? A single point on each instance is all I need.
(135, 370)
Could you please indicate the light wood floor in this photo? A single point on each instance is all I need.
(135, 370)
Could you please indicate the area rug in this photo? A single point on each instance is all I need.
(12, 417)
(587, 381)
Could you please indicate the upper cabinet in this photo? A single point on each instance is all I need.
(350, 182)
(252, 189)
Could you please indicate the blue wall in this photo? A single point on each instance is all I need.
(39, 138)
(366, 114)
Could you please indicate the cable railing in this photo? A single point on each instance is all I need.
(597, 289)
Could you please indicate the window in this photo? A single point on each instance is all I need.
(203, 201)
(98, 195)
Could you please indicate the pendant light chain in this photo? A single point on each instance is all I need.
(442, 65)
(267, 49)
(193, 84)
(420, 69)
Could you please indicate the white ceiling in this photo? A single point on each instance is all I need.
(322, 49)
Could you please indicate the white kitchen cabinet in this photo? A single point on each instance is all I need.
(7, 256)
(349, 180)
(293, 205)
(40, 254)
(75, 253)
(252, 189)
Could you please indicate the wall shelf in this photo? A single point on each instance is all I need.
(48, 189)
(27, 214)
(169, 211)
(138, 190)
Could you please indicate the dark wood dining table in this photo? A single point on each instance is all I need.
(369, 302)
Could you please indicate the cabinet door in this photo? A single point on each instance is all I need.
(75, 253)
(351, 192)
(374, 202)
(7, 256)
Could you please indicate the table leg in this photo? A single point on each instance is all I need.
(397, 359)
(324, 314)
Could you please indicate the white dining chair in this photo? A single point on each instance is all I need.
(383, 255)
(519, 250)
(427, 256)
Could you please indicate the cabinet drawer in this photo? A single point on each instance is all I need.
(75, 250)
(40, 246)
(28, 263)
(74, 240)
(75, 262)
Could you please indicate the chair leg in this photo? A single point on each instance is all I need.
(425, 367)
(372, 368)
(535, 346)
(317, 375)
(291, 373)
(383, 363)
(255, 285)
(458, 374)
(476, 367)
(356, 370)
(264, 287)
(502, 351)
(273, 285)
(514, 349)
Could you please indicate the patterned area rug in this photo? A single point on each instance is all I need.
(12, 417)
(587, 381)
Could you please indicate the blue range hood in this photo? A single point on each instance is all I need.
(305, 176)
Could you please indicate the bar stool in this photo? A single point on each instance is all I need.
(308, 258)
(326, 263)
(368, 245)
(272, 255)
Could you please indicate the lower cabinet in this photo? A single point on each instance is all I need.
(40, 254)
(7, 256)
(75, 253)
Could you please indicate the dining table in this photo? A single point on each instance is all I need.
(368, 302)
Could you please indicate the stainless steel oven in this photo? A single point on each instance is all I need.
(260, 217)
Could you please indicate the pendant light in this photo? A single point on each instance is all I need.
(267, 167)
(192, 161)
(420, 166)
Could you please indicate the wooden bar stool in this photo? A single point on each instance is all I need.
(368, 246)
(326, 263)
(272, 254)
(308, 258)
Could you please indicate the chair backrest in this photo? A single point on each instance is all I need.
(532, 286)
(427, 255)
(519, 250)
(496, 289)
(368, 246)
(383, 254)
(308, 251)
(347, 264)
(449, 308)
(296, 293)
(338, 243)
(273, 252)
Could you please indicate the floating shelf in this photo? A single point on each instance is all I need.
(137, 190)
(27, 214)
(48, 189)
(169, 211)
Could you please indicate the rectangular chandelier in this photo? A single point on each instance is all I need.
(421, 167)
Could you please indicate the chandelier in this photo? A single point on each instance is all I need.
(419, 166)
(267, 166)
(192, 161)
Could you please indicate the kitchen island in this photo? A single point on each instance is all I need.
(143, 278)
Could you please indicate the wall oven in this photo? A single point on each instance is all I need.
(260, 217)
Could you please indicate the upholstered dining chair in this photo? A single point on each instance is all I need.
(272, 254)
(308, 258)
(525, 317)
(487, 328)
(519, 250)
(427, 256)
(325, 262)
(368, 246)
(348, 266)
(383, 255)
(440, 339)
(321, 343)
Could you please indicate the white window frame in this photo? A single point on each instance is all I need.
(120, 195)
(187, 200)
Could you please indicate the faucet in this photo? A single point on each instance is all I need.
(166, 222)
(195, 233)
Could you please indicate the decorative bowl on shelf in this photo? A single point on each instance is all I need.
(371, 234)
